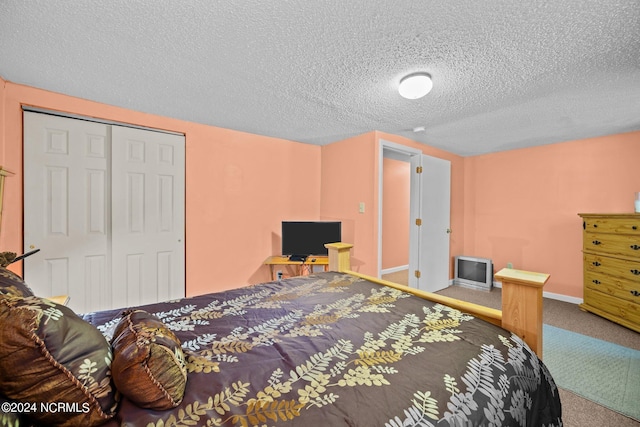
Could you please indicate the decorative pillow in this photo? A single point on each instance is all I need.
(148, 363)
(55, 362)
(12, 284)
(7, 258)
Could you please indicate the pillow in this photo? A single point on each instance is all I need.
(56, 362)
(12, 284)
(148, 363)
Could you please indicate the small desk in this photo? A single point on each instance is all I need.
(284, 260)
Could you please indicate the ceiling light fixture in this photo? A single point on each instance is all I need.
(415, 85)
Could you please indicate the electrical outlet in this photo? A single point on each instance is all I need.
(279, 274)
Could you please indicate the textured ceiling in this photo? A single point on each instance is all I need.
(507, 74)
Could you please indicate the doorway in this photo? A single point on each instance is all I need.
(428, 219)
(395, 214)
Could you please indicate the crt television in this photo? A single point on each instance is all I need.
(305, 238)
(473, 272)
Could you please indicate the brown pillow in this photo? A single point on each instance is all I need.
(12, 284)
(148, 363)
(49, 355)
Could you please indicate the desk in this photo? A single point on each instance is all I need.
(284, 260)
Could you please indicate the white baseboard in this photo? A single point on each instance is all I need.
(565, 298)
(394, 269)
(551, 295)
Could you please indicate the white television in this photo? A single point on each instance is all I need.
(473, 272)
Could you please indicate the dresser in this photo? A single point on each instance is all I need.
(611, 279)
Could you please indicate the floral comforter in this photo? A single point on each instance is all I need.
(331, 350)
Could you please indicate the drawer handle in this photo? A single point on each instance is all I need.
(635, 293)
(634, 247)
(595, 225)
(634, 227)
(596, 242)
(636, 272)
(596, 281)
(596, 263)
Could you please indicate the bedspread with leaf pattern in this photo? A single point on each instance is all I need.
(334, 350)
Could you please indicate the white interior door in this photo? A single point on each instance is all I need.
(105, 204)
(148, 216)
(433, 233)
(66, 187)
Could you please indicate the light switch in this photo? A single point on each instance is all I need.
(361, 209)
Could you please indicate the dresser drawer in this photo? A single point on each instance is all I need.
(622, 309)
(614, 286)
(615, 244)
(615, 267)
(612, 225)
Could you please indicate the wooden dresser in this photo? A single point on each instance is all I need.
(611, 253)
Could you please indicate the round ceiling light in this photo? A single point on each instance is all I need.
(415, 85)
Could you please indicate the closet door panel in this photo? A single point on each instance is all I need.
(147, 216)
(66, 209)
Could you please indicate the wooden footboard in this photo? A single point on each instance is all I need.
(521, 297)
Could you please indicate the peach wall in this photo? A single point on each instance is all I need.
(350, 171)
(2, 126)
(396, 193)
(349, 176)
(237, 189)
(516, 206)
(521, 205)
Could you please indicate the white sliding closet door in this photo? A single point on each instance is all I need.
(105, 204)
(147, 216)
(66, 209)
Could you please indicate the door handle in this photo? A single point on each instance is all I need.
(449, 231)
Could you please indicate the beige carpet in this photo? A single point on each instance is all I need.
(577, 411)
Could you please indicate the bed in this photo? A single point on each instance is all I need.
(329, 349)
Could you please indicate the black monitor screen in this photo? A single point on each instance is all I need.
(309, 237)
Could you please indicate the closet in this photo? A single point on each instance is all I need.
(104, 203)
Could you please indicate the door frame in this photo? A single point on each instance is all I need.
(64, 114)
(404, 153)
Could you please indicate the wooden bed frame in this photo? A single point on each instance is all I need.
(521, 297)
